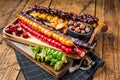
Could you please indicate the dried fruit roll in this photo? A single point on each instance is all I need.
(34, 25)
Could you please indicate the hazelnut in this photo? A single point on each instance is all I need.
(82, 26)
(70, 22)
(72, 27)
(78, 23)
(82, 31)
(87, 29)
(77, 29)
(75, 24)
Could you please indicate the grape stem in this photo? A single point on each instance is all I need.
(96, 30)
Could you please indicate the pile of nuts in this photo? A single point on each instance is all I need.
(79, 27)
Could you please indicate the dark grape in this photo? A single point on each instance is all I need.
(66, 15)
(47, 10)
(75, 17)
(52, 12)
(104, 28)
(87, 18)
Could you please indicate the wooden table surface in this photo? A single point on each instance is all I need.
(108, 46)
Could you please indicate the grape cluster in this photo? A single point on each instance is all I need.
(87, 18)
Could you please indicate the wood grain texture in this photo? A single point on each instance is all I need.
(78, 6)
(98, 48)
(111, 39)
(108, 46)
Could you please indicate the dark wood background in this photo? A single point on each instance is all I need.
(108, 46)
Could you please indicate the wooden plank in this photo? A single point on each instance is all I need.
(110, 39)
(88, 6)
(114, 11)
(18, 8)
(6, 12)
(1, 38)
(11, 73)
(98, 48)
(77, 6)
(44, 3)
(117, 44)
(7, 62)
(108, 45)
(9, 12)
(118, 39)
(20, 76)
(9, 59)
(3, 50)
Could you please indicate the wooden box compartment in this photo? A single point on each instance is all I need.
(27, 52)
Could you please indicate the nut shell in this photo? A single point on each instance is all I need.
(72, 27)
(82, 26)
(87, 29)
(77, 29)
(82, 31)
